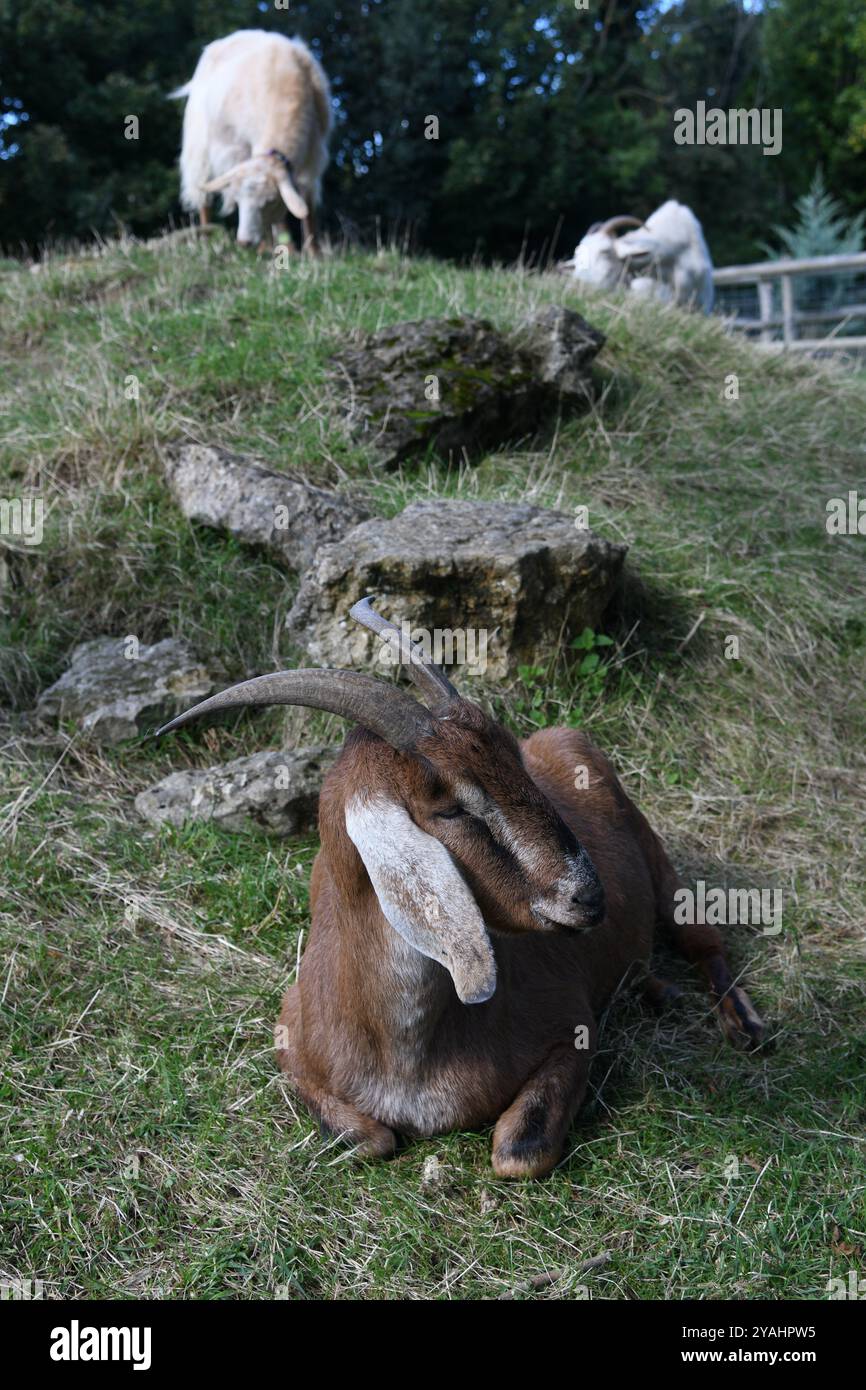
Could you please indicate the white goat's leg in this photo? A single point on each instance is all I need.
(310, 233)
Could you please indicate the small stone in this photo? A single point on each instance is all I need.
(116, 689)
(271, 791)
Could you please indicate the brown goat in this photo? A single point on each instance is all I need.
(472, 914)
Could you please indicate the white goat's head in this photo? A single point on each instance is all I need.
(257, 187)
(602, 259)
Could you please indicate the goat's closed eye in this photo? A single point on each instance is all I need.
(451, 814)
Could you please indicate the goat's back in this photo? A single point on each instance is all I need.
(257, 90)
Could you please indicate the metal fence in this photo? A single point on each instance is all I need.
(816, 305)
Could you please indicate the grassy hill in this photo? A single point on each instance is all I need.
(149, 1148)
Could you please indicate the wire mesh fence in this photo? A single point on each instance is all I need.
(813, 305)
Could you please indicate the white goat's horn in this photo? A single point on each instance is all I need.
(430, 678)
(613, 224)
(383, 709)
(292, 198)
(237, 171)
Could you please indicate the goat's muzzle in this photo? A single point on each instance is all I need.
(577, 901)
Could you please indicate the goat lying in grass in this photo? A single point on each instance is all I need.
(664, 258)
(472, 914)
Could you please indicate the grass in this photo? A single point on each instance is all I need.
(149, 1148)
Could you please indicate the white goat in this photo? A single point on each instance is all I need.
(255, 128)
(665, 257)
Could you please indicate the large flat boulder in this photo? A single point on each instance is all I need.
(116, 689)
(502, 584)
(290, 518)
(275, 792)
(458, 386)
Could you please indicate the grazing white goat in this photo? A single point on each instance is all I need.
(473, 912)
(255, 128)
(665, 257)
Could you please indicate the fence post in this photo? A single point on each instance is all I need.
(788, 325)
(765, 303)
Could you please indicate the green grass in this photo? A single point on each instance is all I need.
(149, 1147)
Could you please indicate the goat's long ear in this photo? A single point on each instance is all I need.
(291, 197)
(423, 894)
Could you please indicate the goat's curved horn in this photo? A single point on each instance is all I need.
(237, 171)
(430, 679)
(384, 709)
(292, 198)
(613, 224)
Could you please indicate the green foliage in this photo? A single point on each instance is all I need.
(814, 55)
(546, 116)
(822, 228)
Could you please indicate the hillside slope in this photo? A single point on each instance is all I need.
(149, 1147)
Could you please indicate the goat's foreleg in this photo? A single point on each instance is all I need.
(529, 1137)
(702, 946)
(333, 1115)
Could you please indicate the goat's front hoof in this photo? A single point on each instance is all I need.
(523, 1166)
(741, 1023)
(523, 1146)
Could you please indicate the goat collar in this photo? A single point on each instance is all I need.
(284, 160)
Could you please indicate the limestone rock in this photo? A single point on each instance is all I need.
(115, 689)
(290, 518)
(502, 585)
(276, 792)
(458, 386)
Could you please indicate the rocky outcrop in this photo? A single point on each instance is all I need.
(503, 585)
(458, 386)
(262, 507)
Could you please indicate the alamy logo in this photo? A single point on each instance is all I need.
(720, 907)
(846, 517)
(854, 1288)
(737, 126)
(22, 517)
(20, 1289)
(466, 647)
(77, 1343)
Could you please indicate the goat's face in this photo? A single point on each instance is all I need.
(260, 188)
(259, 208)
(526, 869)
(596, 261)
(457, 839)
(466, 788)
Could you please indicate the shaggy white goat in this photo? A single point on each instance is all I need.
(666, 257)
(255, 128)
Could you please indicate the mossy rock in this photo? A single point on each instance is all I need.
(459, 386)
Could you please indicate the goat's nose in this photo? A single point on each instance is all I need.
(588, 897)
(590, 904)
